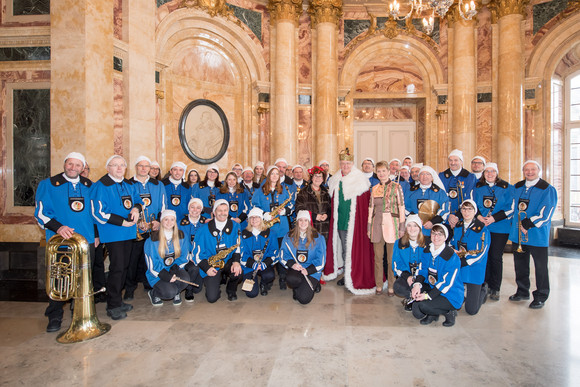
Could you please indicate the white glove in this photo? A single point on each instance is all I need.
(267, 217)
(283, 211)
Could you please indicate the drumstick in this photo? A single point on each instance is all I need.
(187, 282)
(305, 276)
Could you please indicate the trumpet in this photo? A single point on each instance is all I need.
(144, 225)
(275, 213)
(521, 236)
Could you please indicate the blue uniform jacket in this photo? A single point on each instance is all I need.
(406, 259)
(442, 274)
(253, 245)
(111, 203)
(451, 184)
(473, 265)
(498, 199)
(190, 229)
(59, 203)
(161, 267)
(209, 240)
(239, 204)
(312, 258)
(268, 202)
(250, 190)
(208, 196)
(417, 196)
(538, 202)
(153, 195)
(177, 197)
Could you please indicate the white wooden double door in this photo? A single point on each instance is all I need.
(384, 140)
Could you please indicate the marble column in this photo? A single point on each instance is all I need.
(326, 16)
(139, 81)
(284, 139)
(510, 88)
(81, 81)
(464, 84)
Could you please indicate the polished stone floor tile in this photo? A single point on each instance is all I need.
(337, 340)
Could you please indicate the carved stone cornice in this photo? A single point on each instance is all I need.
(509, 7)
(285, 10)
(325, 11)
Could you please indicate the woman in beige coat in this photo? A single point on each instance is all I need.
(386, 223)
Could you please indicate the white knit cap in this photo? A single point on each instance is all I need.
(236, 164)
(492, 166)
(297, 166)
(166, 213)
(256, 211)
(270, 168)
(248, 169)
(472, 202)
(218, 203)
(142, 158)
(408, 157)
(155, 164)
(323, 162)
(195, 200)
(114, 157)
(480, 158)
(303, 214)
(213, 166)
(445, 230)
(369, 159)
(436, 180)
(414, 218)
(456, 152)
(395, 160)
(417, 165)
(533, 162)
(179, 164)
(281, 159)
(259, 164)
(406, 167)
(78, 156)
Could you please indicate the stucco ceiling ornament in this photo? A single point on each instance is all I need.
(213, 7)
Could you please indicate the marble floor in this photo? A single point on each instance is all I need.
(337, 340)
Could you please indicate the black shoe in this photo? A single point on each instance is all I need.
(294, 294)
(283, 285)
(340, 282)
(494, 295)
(484, 291)
(189, 294)
(429, 319)
(450, 318)
(232, 297)
(129, 295)
(517, 297)
(408, 304)
(126, 307)
(177, 299)
(263, 290)
(318, 288)
(155, 301)
(117, 313)
(537, 304)
(54, 324)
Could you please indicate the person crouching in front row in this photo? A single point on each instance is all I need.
(259, 255)
(166, 254)
(303, 252)
(438, 288)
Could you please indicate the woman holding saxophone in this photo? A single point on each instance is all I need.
(494, 197)
(217, 252)
(471, 243)
(166, 254)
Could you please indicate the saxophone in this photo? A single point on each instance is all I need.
(275, 214)
(462, 252)
(217, 260)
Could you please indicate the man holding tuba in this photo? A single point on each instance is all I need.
(534, 202)
(63, 207)
(219, 234)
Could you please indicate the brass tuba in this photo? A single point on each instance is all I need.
(68, 275)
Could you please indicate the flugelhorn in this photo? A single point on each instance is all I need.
(521, 236)
(144, 225)
(68, 275)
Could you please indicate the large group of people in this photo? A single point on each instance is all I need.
(436, 240)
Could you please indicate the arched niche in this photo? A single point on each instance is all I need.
(210, 58)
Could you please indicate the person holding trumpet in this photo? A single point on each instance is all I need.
(303, 252)
(167, 254)
(534, 200)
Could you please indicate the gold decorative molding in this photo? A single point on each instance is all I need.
(263, 108)
(510, 7)
(533, 107)
(325, 11)
(391, 28)
(285, 10)
(440, 112)
(160, 94)
(213, 7)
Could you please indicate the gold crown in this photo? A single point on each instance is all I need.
(345, 155)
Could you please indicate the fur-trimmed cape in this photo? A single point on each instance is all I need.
(359, 259)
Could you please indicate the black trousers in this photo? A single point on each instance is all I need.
(474, 298)
(494, 269)
(522, 267)
(137, 266)
(402, 288)
(194, 277)
(267, 277)
(212, 284)
(54, 308)
(99, 279)
(280, 268)
(302, 291)
(435, 307)
(167, 290)
(119, 256)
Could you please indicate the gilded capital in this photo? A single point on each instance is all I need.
(510, 7)
(325, 11)
(285, 10)
(453, 16)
